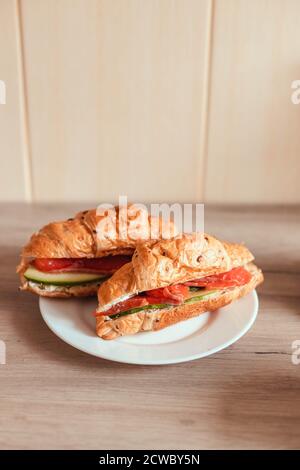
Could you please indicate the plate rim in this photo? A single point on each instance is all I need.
(156, 362)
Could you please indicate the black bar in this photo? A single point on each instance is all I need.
(142, 458)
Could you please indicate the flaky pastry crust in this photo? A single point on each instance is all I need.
(91, 234)
(158, 319)
(165, 262)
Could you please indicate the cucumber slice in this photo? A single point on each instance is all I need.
(61, 279)
(197, 298)
(138, 309)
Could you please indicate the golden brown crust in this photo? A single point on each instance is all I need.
(159, 319)
(91, 234)
(166, 262)
(67, 239)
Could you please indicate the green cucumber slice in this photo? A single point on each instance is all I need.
(138, 309)
(61, 279)
(197, 298)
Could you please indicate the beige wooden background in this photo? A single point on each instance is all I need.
(157, 99)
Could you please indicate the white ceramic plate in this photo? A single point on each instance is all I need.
(72, 321)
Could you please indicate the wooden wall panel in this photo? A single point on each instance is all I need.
(12, 175)
(115, 95)
(253, 128)
(109, 97)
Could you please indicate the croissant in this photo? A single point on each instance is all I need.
(165, 268)
(91, 241)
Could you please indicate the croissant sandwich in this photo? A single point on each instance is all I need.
(172, 280)
(73, 257)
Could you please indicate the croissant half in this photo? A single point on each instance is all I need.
(170, 262)
(165, 262)
(89, 234)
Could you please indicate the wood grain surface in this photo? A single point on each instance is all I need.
(247, 396)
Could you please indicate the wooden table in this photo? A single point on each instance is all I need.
(247, 396)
